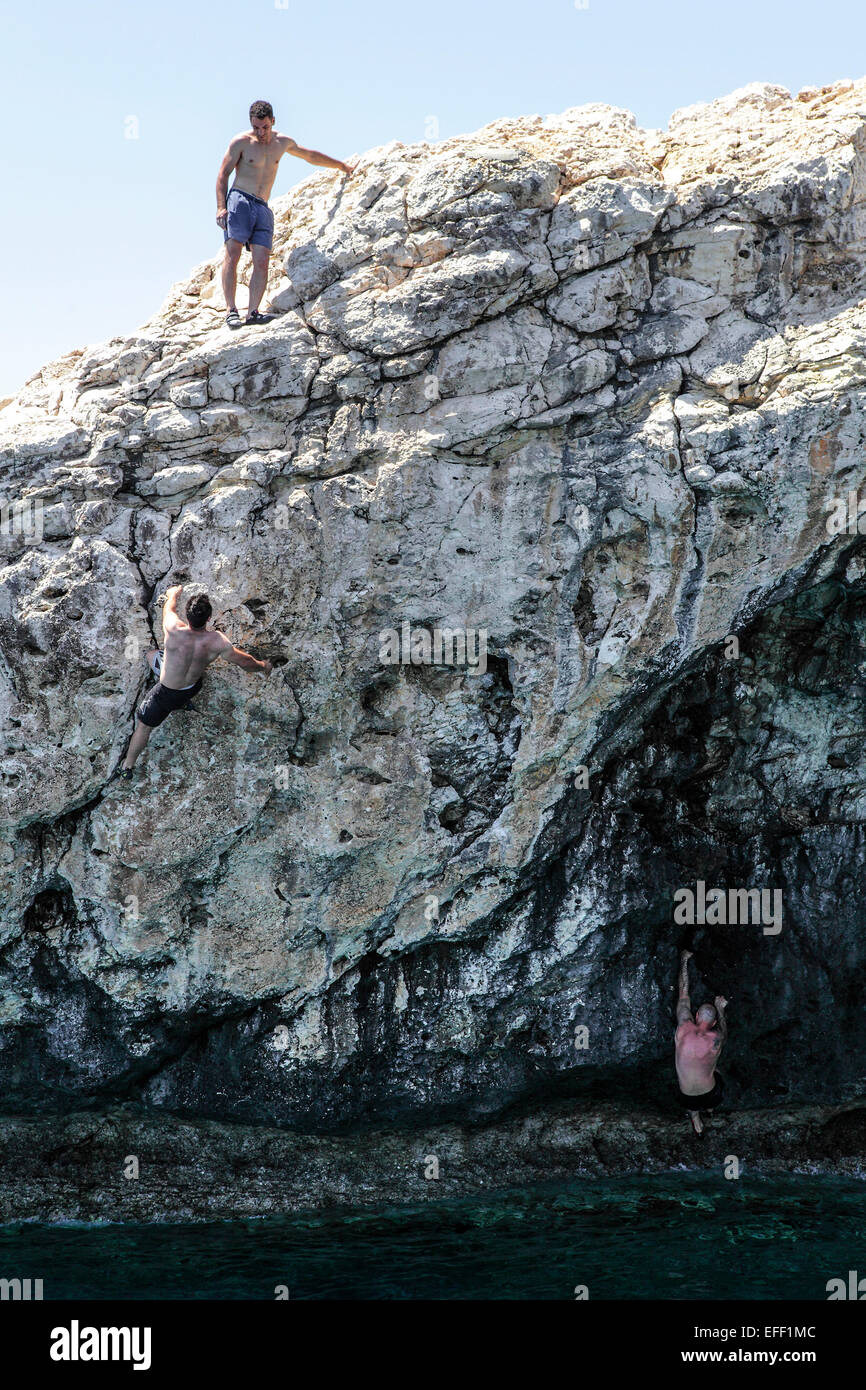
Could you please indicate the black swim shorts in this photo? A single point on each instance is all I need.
(708, 1101)
(162, 701)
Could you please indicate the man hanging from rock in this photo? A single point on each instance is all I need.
(190, 647)
(698, 1043)
(243, 212)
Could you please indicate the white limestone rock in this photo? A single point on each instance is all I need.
(585, 388)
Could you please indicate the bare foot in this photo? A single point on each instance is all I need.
(695, 1118)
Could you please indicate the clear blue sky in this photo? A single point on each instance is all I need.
(95, 226)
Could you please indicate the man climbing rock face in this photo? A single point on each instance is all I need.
(698, 1043)
(190, 647)
(244, 214)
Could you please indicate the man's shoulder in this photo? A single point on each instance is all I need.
(243, 138)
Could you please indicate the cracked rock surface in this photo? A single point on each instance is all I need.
(588, 389)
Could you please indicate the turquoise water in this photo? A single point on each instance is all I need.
(679, 1236)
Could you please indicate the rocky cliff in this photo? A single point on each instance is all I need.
(590, 396)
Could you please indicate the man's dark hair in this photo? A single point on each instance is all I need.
(198, 610)
(262, 110)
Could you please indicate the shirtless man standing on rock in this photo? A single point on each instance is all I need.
(698, 1043)
(190, 647)
(243, 212)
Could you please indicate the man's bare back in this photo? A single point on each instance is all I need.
(190, 650)
(697, 1052)
(189, 653)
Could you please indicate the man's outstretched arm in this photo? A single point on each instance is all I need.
(722, 1025)
(170, 615)
(316, 156)
(684, 1003)
(243, 659)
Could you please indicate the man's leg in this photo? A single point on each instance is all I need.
(231, 258)
(258, 280)
(137, 744)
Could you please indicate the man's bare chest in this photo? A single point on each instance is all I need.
(259, 159)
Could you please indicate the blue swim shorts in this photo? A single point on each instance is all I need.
(249, 220)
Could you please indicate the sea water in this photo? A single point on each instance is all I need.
(677, 1236)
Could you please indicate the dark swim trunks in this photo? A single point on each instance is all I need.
(162, 701)
(708, 1101)
(249, 220)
